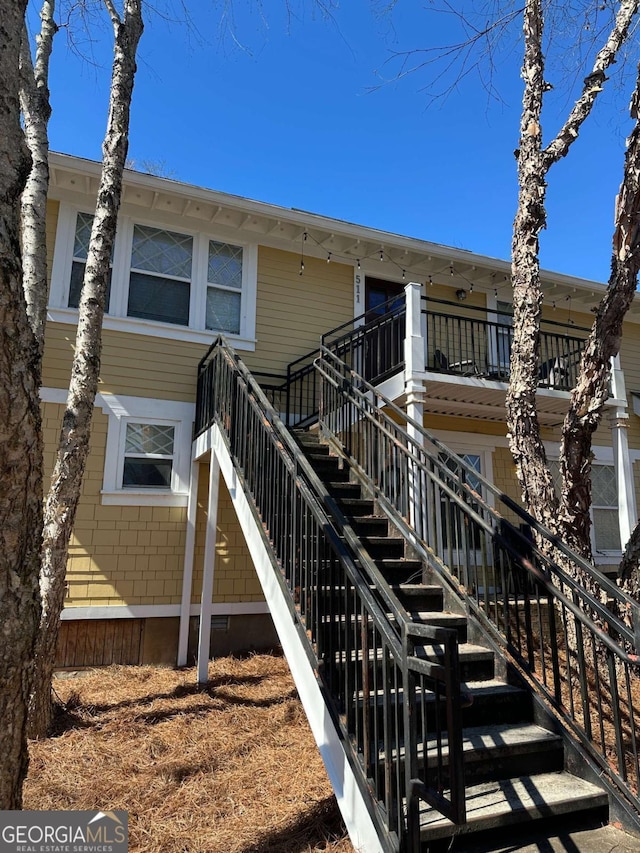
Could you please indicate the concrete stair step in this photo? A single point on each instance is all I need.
(507, 802)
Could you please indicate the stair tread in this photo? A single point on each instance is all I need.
(508, 801)
(466, 651)
(478, 689)
(478, 742)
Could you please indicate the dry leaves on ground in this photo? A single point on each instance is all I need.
(231, 768)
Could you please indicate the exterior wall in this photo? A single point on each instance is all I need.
(133, 555)
(235, 578)
(118, 555)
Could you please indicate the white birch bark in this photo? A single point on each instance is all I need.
(20, 434)
(36, 110)
(66, 480)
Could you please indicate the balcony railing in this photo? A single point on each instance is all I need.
(475, 346)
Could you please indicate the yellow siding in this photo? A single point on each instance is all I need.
(293, 311)
(234, 578)
(118, 554)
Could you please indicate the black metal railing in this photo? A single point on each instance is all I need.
(372, 343)
(573, 633)
(475, 346)
(294, 395)
(385, 693)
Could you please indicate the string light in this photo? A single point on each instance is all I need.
(358, 262)
(329, 258)
(301, 267)
(404, 275)
(430, 281)
(381, 255)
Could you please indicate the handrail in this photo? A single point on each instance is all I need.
(494, 311)
(625, 602)
(580, 652)
(349, 615)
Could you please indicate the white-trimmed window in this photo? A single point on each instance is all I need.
(166, 281)
(604, 508)
(148, 451)
(224, 287)
(82, 237)
(160, 276)
(147, 460)
(605, 522)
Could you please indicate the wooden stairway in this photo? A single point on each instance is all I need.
(514, 759)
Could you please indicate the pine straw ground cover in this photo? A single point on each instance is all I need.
(231, 768)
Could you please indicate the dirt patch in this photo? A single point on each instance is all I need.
(230, 768)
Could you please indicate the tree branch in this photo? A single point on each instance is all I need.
(593, 84)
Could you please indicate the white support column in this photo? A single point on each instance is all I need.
(414, 365)
(627, 511)
(187, 574)
(204, 636)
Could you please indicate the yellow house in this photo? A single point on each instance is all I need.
(190, 263)
(333, 475)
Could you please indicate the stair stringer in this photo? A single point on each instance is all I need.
(353, 805)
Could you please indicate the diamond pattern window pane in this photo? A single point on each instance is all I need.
(149, 438)
(225, 265)
(603, 486)
(84, 223)
(223, 310)
(162, 252)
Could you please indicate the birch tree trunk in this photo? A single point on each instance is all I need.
(20, 434)
(36, 110)
(66, 480)
(534, 162)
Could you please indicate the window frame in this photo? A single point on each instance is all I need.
(601, 556)
(117, 319)
(122, 411)
(123, 455)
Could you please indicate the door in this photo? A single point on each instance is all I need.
(383, 332)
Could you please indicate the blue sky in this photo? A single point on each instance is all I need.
(306, 114)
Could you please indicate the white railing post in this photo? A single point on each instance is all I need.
(627, 512)
(204, 635)
(414, 365)
(187, 572)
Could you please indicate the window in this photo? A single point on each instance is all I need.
(148, 456)
(84, 223)
(224, 287)
(186, 285)
(148, 451)
(160, 278)
(604, 506)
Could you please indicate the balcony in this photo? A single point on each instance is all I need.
(466, 361)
